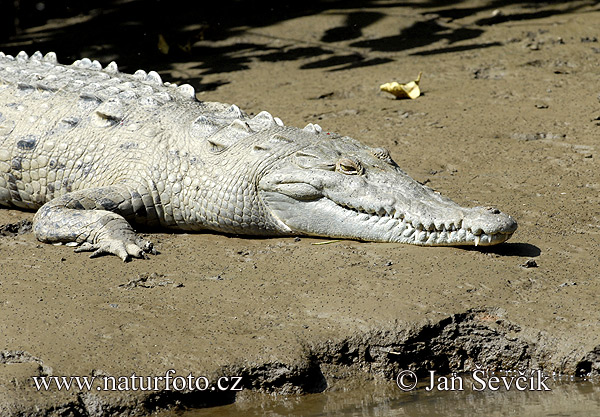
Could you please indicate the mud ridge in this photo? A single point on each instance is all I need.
(459, 343)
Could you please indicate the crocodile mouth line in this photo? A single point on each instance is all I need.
(415, 232)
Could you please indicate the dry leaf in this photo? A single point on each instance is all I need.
(409, 90)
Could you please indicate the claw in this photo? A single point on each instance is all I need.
(85, 247)
(124, 250)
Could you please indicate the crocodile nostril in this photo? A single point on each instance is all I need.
(493, 210)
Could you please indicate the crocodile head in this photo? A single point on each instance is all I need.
(340, 188)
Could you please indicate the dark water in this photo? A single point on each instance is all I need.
(566, 399)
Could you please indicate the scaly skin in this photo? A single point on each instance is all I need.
(95, 151)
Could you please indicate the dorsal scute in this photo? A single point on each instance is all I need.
(112, 68)
(22, 56)
(111, 109)
(203, 126)
(313, 128)
(263, 120)
(147, 86)
(50, 57)
(235, 112)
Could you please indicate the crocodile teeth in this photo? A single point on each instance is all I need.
(187, 90)
(432, 238)
(112, 68)
(154, 78)
(477, 239)
(22, 56)
(279, 121)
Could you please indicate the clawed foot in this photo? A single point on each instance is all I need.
(123, 249)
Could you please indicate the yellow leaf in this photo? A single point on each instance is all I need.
(409, 90)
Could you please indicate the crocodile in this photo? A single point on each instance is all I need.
(95, 152)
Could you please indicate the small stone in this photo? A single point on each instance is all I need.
(531, 263)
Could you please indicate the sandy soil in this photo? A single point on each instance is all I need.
(510, 116)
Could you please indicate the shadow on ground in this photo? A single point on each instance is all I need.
(129, 31)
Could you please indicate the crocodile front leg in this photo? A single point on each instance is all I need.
(96, 219)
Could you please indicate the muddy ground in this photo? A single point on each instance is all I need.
(509, 116)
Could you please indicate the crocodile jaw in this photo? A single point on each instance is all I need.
(323, 217)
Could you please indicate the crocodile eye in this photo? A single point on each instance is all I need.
(349, 167)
